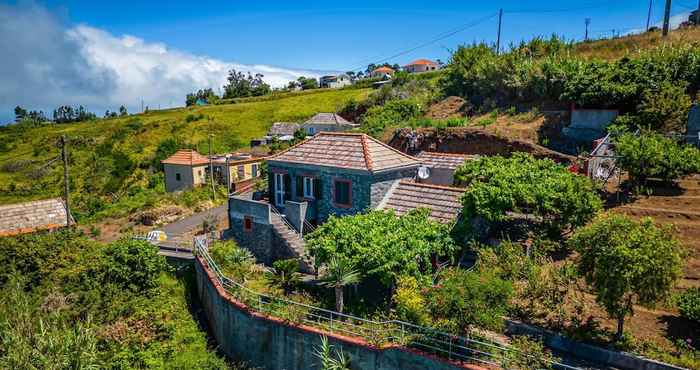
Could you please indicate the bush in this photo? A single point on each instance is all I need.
(132, 265)
(410, 304)
(522, 184)
(393, 113)
(653, 155)
(470, 299)
(689, 304)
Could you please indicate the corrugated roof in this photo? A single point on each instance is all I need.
(443, 160)
(328, 119)
(187, 157)
(346, 150)
(421, 62)
(442, 201)
(22, 218)
(283, 128)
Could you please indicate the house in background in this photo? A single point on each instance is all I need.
(282, 131)
(421, 65)
(382, 72)
(335, 82)
(187, 169)
(29, 217)
(327, 122)
(184, 170)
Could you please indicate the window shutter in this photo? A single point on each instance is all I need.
(317, 189)
(287, 187)
(300, 186)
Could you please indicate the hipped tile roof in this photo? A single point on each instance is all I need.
(187, 157)
(283, 128)
(346, 150)
(442, 201)
(421, 62)
(327, 119)
(22, 218)
(442, 160)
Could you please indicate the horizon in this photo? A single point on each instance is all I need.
(102, 56)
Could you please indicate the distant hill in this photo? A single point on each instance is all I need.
(115, 161)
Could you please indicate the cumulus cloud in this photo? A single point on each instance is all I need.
(47, 64)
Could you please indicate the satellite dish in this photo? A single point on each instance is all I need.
(423, 172)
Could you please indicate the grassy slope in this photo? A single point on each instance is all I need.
(233, 125)
(619, 47)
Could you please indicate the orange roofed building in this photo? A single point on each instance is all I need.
(421, 65)
(382, 72)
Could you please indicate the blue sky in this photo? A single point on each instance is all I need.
(339, 35)
(103, 54)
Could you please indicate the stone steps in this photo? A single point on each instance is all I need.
(293, 241)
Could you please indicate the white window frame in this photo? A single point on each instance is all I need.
(308, 185)
(279, 189)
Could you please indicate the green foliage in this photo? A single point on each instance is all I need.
(522, 184)
(330, 358)
(628, 262)
(470, 299)
(132, 265)
(206, 95)
(653, 155)
(285, 274)
(382, 245)
(527, 354)
(665, 109)
(410, 303)
(689, 304)
(338, 274)
(242, 85)
(391, 114)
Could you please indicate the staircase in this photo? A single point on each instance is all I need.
(290, 237)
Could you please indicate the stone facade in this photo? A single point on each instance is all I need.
(258, 239)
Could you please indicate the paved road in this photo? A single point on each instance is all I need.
(190, 223)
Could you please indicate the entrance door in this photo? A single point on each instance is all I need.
(279, 189)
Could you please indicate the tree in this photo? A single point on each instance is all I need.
(339, 274)
(383, 246)
(307, 83)
(20, 113)
(206, 95)
(665, 109)
(242, 85)
(122, 111)
(654, 155)
(497, 186)
(285, 274)
(628, 263)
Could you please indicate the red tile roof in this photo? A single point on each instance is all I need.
(187, 157)
(28, 217)
(443, 201)
(346, 150)
(422, 62)
(443, 160)
(383, 70)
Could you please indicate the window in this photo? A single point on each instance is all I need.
(254, 170)
(308, 187)
(342, 193)
(178, 177)
(241, 172)
(312, 130)
(247, 224)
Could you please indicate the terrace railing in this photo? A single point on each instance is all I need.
(470, 349)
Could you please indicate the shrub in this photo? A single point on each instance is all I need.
(689, 304)
(665, 109)
(410, 304)
(653, 155)
(393, 113)
(628, 262)
(470, 299)
(527, 354)
(496, 185)
(132, 265)
(382, 245)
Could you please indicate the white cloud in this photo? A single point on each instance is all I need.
(52, 64)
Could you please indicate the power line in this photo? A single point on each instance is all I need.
(436, 39)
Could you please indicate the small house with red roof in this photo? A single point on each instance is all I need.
(187, 169)
(421, 65)
(184, 170)
(382, 72)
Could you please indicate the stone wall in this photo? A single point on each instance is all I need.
(271, 343)
(259, 240)
(381, 183)
(589, 124)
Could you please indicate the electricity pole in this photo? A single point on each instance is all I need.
(588, 22)
(498, 39)
(66, 192)
(667, 16)
(211, 172)
(697, 15)
(651, 4)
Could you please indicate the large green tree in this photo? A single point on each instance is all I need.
(628, 263)
(654, 155)
(497, 187)
(382, 245)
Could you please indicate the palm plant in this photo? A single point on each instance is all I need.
(338, 274)
(284, 274)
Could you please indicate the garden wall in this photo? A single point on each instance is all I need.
(271, 343)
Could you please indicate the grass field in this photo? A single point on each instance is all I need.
(112, 159)
(618, 47)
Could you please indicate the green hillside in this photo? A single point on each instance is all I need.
(114, 162)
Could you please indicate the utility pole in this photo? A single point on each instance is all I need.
(588, 22)
(228, 178)
(498, 39)
(211, 172)
(697, 14)
(667, 17)
(651, 4)
(66, 192)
